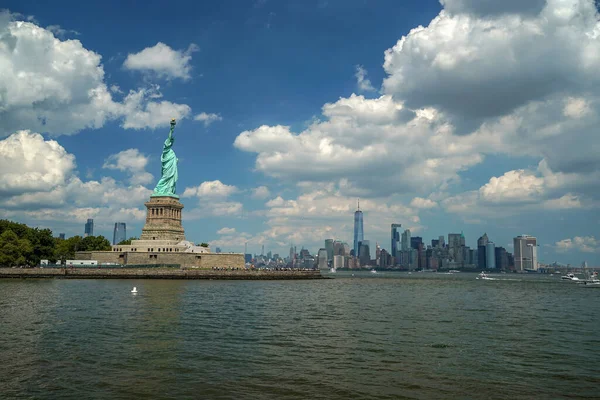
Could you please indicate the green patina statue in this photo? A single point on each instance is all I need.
(167, 184)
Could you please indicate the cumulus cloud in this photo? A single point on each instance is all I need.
(28, 163)
(140, 112)
(484, 78)
(39, 182)
(261, 192)
(213, 200)
(363, 138)
(57, 86)
(520, 190)
(421, 203)
(210, 189)
(586, 244)
(163, 61)
(226, 231)
(132, 162)
(208, 119)
(363, 83)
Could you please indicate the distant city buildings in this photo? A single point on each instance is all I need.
(89, 228)
(61, 236)
(217, 249)
(119, 232)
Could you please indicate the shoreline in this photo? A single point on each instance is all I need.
(155, 273)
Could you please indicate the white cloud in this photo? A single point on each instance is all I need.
(261, 192)
(163, 61)
(39, 182)
(421, 203)
(226, 231)
(517, 191)
(210, 189)
(483, 78)
(586, 244)
(57, 86)
(363, 139)
(47, 84)
(134, 163)
(513, 186)
(140, 113)
(212, 200)
(208, 119)
(363, 83)
(28, 163)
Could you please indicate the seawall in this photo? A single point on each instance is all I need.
(155, 273)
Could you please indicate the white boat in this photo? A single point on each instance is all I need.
(373, 271)
(484, 276)
(134, 290)
(569, 277)
(454, 271)
(590, 284)
(332, 270)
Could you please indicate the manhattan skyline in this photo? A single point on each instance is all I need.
(288, 111)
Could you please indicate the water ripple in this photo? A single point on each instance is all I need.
(386, 337)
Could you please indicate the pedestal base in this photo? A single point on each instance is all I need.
(163, 220)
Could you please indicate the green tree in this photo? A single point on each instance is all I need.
(13, 250)
(126, 242)
(95, 243)
(43, 245)
(65, 248)
(203, 244)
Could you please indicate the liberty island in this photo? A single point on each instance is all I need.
(162, 251)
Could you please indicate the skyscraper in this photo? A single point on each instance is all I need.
(405, 241)
(454, 247)
(481, 258)
(329, 248)
(61, 236)
(119, 233)
(490, 255)
(89, 228)
(525, 247)
(395, 239)
(358, 229)
(322, 258)
(364, 252)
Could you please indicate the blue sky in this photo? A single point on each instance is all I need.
(450, 116)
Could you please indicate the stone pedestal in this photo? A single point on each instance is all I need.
(163, 220)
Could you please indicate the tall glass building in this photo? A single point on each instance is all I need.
(120, 232)
(358, 230)
(89, 228)
(395, 239)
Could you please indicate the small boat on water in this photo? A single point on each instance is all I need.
(373, 271)
(134, 290)
(484, 276)
(454, 271)
(569, 277)
(332, 270)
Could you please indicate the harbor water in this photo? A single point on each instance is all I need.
(364, 336)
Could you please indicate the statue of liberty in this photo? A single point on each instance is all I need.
(167, 184)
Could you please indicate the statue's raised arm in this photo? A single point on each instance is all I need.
(167, 184)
